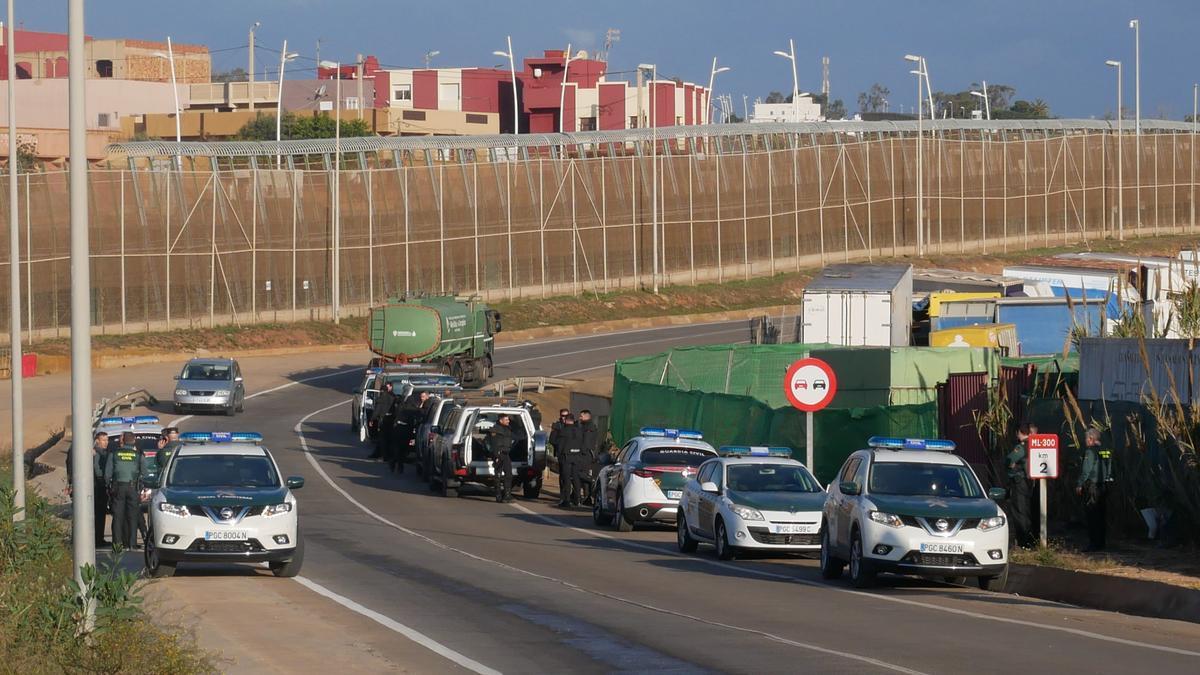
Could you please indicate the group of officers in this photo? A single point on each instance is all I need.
(395, 422)
(576, 443)
(119, 469)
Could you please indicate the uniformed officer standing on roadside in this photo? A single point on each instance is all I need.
(406, 428)
(122, 474)
(171, 434)
(99, 493)
(554, 442)
(570, 462)
(1019, 491)
(499, 443)
(590, 443)
(1094, 481)
(383, 416)
(148, 463)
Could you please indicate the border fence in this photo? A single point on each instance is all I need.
(204, 234)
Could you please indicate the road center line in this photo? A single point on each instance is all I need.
(446, 547)
(914, 603)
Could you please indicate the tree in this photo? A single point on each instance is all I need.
(1025, 110)
(998, 94)
(776, 97)
(831, 111)
(294, 127)
(235, 75)
(874, 100)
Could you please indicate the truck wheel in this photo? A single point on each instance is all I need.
(456, 371)
(489, 370)
(532, 489)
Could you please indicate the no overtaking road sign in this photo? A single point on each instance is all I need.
(810, 384)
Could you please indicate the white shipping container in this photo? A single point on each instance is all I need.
(1112, 369)
(859, 305)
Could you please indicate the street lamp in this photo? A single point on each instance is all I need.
(712, 76)
(1120, 162)
(429, 57)
(791, 56)
(512, 67)
(15, 369)
(170, 57)
(987, 104)
(653, 68)
(284, 58)
(253, 27)
(920, 61)
(562, 98)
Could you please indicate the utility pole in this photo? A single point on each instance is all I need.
(16, 367)
(337, 190)
(359, 76)
(253, 27)
(318, 52)
(83, 481)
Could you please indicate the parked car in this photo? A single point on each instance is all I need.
(207, 384)
(646, 481)
(459, 454)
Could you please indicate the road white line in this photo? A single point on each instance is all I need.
(446, 547)
(417, 637)
(536, 343)
(617, 346)
(872, 596)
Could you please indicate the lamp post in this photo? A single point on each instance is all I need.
(791, 56)
(337, 196)
(512, 68)
(429, 57)
(562, 97)
(712, 76)
(987, 104)
(1120, 161)
(15, 369)
(253, 27)
(170, 57)
(284, 57)
(920, 61)
(1136, 25)
(653, 68)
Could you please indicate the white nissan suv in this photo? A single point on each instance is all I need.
(911, 506)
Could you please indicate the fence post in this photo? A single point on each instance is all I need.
(541, 220)
(870, 232)
(29, 266)
(167, 244)
(745, 211)
(796, 194)
(771, 208)
(728, 367)
(983, 193)
(892, 175)
(508, 185)
(576, 241)
(122, 224)
(1046, 190)
(1004, 178)
(845, 196)
(604, 220)
(634, 167)
(691, 219)
(475, 218)
(212, 256)
(442, 224)
(720, 262)
(295, 197)
(820, 197)
(370, 235)
(1025, 180)
(407, 250)
(962, 191)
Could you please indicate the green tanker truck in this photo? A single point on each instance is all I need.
(457, 336)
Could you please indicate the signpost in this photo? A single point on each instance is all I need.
(810, 385)
(1041, 463)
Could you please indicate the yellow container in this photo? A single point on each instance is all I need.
(936, 299)
(1002, 336)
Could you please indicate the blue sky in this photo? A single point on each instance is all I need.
(1050, 49)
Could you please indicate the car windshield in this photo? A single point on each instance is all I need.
(217, 372)
(770, 478)
(675, 456)
(212, 471)
(923, 480)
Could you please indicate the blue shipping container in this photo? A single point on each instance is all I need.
(1044, 325)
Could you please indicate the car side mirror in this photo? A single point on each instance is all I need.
(849, 487)
(238, 378)
(295, 482)
(709, 487)
(176, 377)
(996, 494)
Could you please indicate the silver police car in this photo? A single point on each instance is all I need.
(210, 384)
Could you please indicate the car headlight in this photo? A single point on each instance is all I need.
(991, 523)
(173, 509)
(889, 519)
(746, 513)
(181, 392)
(277, 509)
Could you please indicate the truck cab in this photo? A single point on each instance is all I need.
(459, 454)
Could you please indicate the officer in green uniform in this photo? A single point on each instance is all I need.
(123, 473)
(1093, 484)
(165, 452)
(1019, 490)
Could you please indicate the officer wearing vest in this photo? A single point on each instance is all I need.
(1094, 481)
(123, 473)
(1019, 493)
(571, 462)
(99, 493)
(499, 444)
(165, 452)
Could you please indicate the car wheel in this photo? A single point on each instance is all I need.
(598, 516)
(353, 422)
(532, 489)
(861, 574)
(724, 550)
(292, 567)
(623, 524)
(995, 583)
(241, 407)
(683, 537)
(155, 567)
(831, 566)
(229, 409)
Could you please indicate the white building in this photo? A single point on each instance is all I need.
(803, 110)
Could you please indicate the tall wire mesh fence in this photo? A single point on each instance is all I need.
(230, 241)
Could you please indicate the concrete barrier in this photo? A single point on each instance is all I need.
(1105, 592)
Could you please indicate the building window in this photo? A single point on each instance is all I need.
(403, 92)
(417, 115)
(104, 68)
(102, 119)
(476, 119)
(587, 123)
(350, 103)
(633, 121)
(448, 92)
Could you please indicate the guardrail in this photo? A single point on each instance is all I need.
(521, 384)
(130, 399)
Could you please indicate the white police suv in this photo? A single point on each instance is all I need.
(751, 498)
(646, 481)
(221, 499)
(911, 506)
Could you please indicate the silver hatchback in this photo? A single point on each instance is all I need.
(213, 384)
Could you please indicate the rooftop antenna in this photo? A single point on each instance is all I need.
(611, 37)
(429, 57)
(825, 77)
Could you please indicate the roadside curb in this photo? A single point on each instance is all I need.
(49, 365)
(1104, 592)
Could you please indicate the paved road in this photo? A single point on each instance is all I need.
(530, 588)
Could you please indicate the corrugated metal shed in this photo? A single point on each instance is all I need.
(858, 277)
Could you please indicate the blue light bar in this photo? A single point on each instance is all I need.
(690, 434)
(221, 437)
(146, 419)
(934, 444)
(115, 421)
(754, 451)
